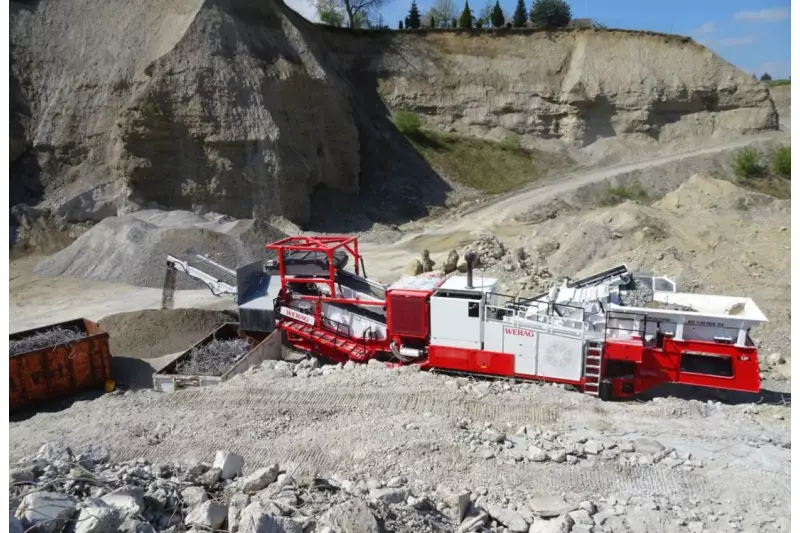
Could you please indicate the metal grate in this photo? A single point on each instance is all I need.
(407, 316)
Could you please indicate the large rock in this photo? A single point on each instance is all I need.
(353, 516)
(129, 500)
(259, 479)
(98, 517)
(208, 515)
(511, 519)
(48, 511)
(230, 464)
(256, 519)
(550, 506)
(647, 445)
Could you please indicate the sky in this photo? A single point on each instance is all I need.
(752, 34)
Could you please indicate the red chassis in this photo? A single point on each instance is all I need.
(629, 367)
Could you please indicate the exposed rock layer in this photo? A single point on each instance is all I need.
(244, 108)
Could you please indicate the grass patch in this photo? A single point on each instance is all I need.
(407, 122)
(777, 83)
(492, 168)
(746, 164)
(781, 160)
(774, 186)
(617, 194)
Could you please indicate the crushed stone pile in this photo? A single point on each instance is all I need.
(133, 251)
(640, 296)
(213, 359)
(85, 492)
(155, 332)
(43, 339)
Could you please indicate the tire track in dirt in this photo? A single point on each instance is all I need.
(260, 399)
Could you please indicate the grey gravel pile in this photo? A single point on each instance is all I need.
(638, 297)
(87, 493)
(213, 359)
(132, 251)
(43, 339)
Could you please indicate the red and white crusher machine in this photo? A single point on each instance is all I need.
(581, 333)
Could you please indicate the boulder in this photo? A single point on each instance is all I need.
(98, 517)
(49, 511)
(230, 464)
(353, 516)
(208, 515)
(259, 479)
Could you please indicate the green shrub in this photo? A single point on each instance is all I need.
(782, 161)
(407, 122)
(511, 142)
(616, 194)
(746, 164)
(150, 110)
(550, 14)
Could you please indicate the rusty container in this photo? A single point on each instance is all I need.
(60, 370)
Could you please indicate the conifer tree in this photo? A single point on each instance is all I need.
(413, 20)
(497, 17)
(520, 15)
(465, 20)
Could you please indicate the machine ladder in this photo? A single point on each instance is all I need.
(593, 367)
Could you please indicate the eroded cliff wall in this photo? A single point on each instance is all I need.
(243, 107)
(578, 87)
(223, 105)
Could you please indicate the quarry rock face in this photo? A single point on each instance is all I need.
(244, 108)
(221, 105)
(574, 88)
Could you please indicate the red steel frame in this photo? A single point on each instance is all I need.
(327, 245)
(652, 365)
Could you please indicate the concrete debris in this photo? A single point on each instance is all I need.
(127, 499)
(648, 446)
(194, 496)
(209, 515)
(549, 506)
(509, 518)
(98, 517)
(353, 516)
(47, 511)
(230, 464)
(259, 479)
(157, 499)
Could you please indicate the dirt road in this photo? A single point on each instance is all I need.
(386, 261)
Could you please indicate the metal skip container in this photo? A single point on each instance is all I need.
(59, 370)
(167, 380)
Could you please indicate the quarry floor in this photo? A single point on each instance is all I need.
(376, 422)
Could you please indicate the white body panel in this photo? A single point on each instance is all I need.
(522, 342)
(357, 324)
(455, 322)
(560, 357)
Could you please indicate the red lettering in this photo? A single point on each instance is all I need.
(519, 332)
